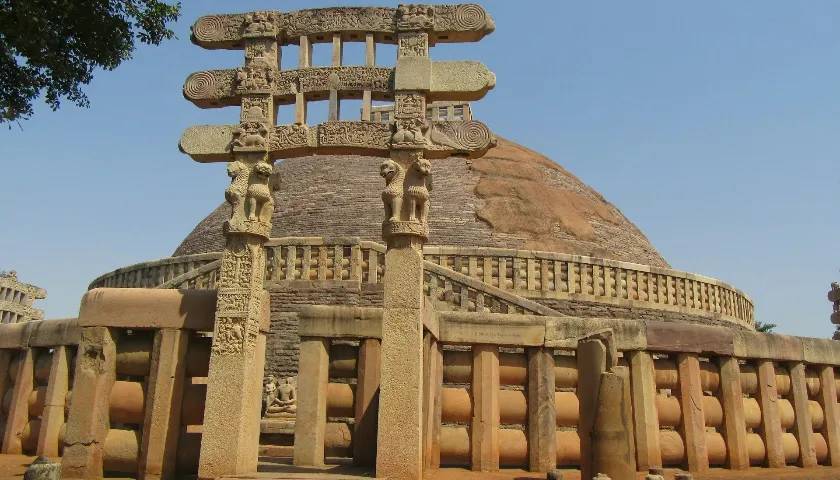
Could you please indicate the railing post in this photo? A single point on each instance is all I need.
(831, 411)
(542, 415)
(367, 401)
(485, 419)
(5, 363)
(734, 424)
(591, 362)
(311, 419)
(53, 417)
(643, 393)
(89, 419)
(432, 384)
(18, 415)
(693, 425)
(165, 390)
(803, 429)
(771, 426)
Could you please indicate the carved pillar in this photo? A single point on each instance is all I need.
(230, 439)
(405, 230)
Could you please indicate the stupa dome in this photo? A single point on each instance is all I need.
(512, 197)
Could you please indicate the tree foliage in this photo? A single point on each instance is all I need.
(53, 47)
(765, 327)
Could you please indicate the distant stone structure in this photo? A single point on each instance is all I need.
(16, 299)
(435, 111)
(834, 298)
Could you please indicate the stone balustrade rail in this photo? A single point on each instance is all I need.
(501, 276)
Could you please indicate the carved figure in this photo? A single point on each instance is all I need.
(258, 23)
(253, 131)
(259, 193)
(415, 17)
(257, 76)
(418, 185)
(392, 195)
(410, 132)
(236, 191)
(280, 397)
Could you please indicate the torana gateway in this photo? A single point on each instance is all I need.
(342, 307)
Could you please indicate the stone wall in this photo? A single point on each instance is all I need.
(288, 298)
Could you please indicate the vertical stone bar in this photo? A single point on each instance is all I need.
(311, 419)
(164, 393)
(831, 412)
(613, 447)
(643, 393)
(433, 383)
(88, 421)
(304, 61)
(771, 426)
(693, 424)
(803, 428)
(734, 424)
(484, 429)
(367, 402)
(18, 415)
(5, 363)
(53, 417)
(591, 362)
(370, 61)
(335, 100)
(542, 415)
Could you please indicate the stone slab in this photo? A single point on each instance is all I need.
(148, 308)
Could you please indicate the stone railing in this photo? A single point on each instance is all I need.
(503, 274)
(695, 397)
(546, 275)
(153, 274)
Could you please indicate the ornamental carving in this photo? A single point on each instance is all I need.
(209, 85)
(410, 133)
(415, 17)
(217, 28)
(462, 18)
(252, 133)
(343, 78)
(339, 19)
(354, 134)
(257, 77)
(414, 45)
(261, 51)
(408, 182)
(469, 136)
(259, 24)
(410, 105)
(249, 195)
(290, 136)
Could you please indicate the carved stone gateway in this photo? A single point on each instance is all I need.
(231, 429)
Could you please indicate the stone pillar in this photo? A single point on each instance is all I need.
(613, 451)
(803, 428)
(165, 390)
(693, 424)
(771, 422)
(405, 230)
(643, 389)
(734, 424)
(484, 427)
(89, 419)
(230, 439)
(53, 417)
(831, 410)
(591, 363)
(542, 415)
(18, 415)
(311, 417)
(367, 402)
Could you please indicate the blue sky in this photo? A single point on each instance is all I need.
(714, 126)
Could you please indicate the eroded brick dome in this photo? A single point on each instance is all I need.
(512, 197)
